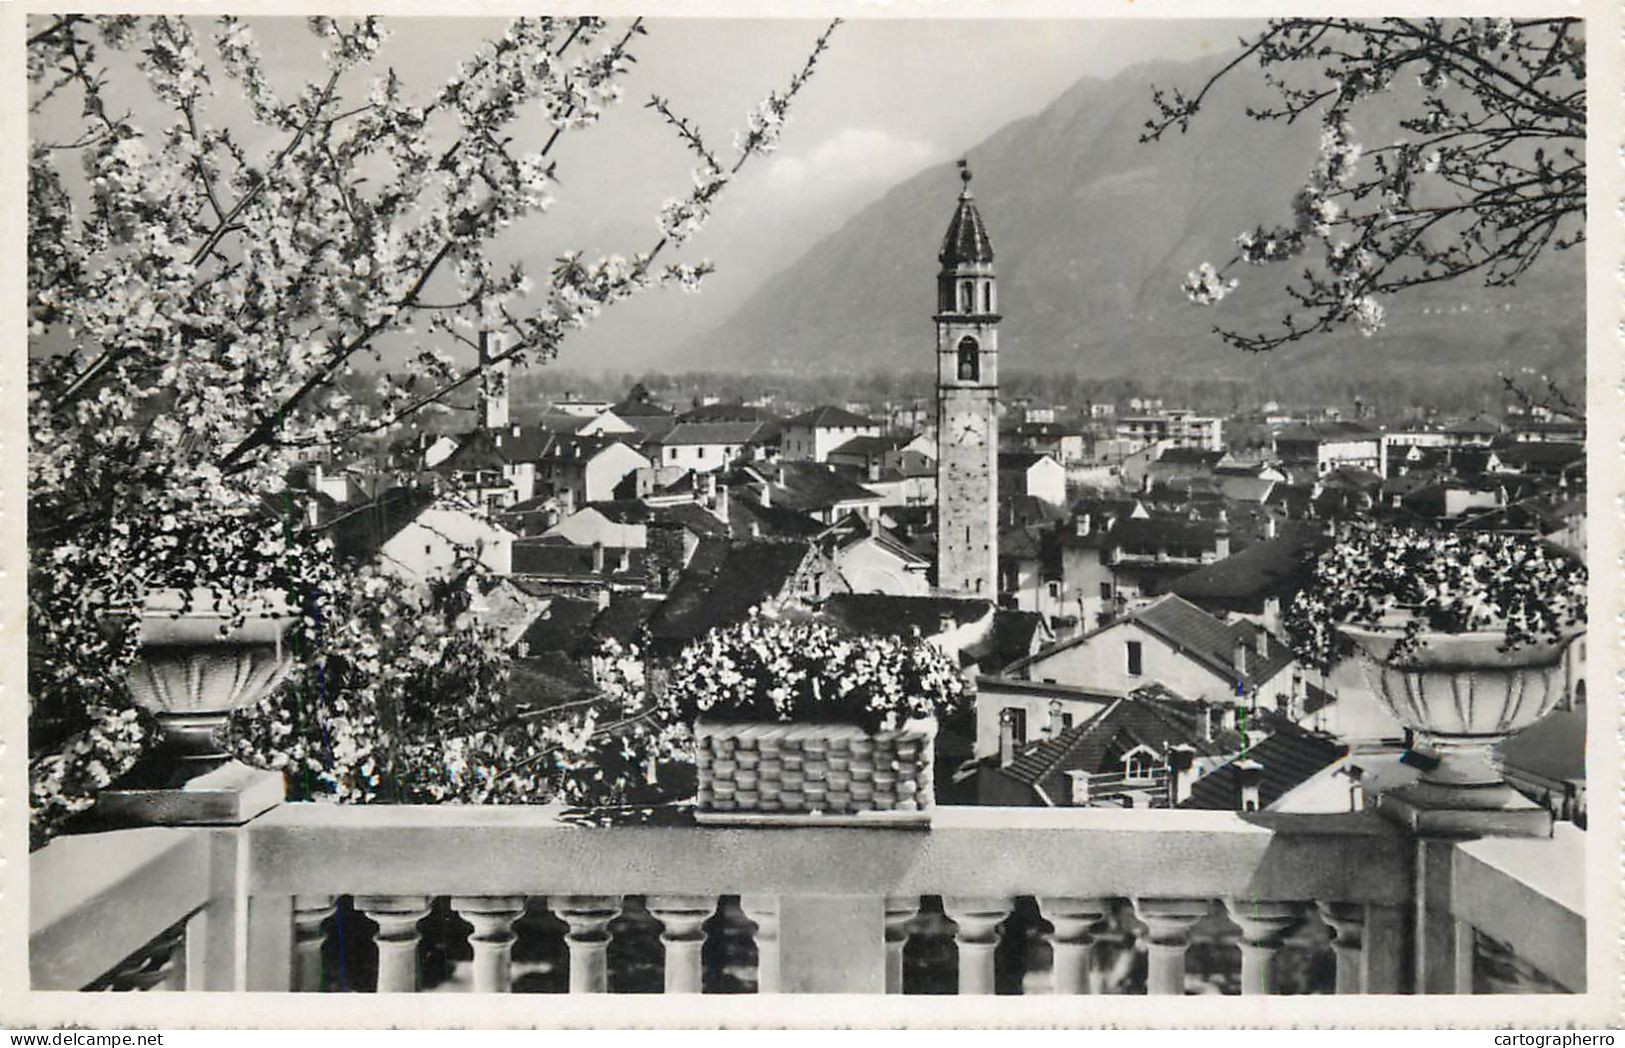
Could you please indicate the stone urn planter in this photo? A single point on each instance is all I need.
(193, 667)
(767, 773)
(1461, 694)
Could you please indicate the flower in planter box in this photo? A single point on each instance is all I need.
(1447, 582)
(766, 669)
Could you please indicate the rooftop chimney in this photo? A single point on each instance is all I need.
(1181, 773)
(1085, 524)
(874, 525)
(767, 493)
(1262, 639)
(946, 622)
(1079, 791)
(1052, 727)
(1251, 773)
(597, 558)
(1221, 542)
(1007, 737)
(1240, 660)
(1270, 529)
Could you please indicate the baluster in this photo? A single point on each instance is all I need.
(977, 927)
(763, 911)
(588, 939)
(1347, 922)
(1263, 924)
(681, 918)
(397, 917)
(310, 913)
(1169, 923)
(1074, 920)
(492, 917)
(900, 909)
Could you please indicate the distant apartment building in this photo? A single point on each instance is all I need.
(1327, 445)
(812, 435)
(1173, 427)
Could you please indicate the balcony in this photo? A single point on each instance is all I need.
(830, 910)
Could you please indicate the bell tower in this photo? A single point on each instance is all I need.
(967, 405)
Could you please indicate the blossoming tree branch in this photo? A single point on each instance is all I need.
(200, 292)
(1486, 174)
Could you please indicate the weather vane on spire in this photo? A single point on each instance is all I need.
(964, 170)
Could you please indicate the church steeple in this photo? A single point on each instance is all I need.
(966, 242)
(965, 280)
(967, 404)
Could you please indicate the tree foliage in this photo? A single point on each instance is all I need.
(200, 293)
(1485, 173)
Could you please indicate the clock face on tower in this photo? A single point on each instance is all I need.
(967, 429)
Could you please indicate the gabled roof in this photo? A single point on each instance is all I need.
(870, 446)
(829, 417)
(1541, 453)
(1197, 635)
(1163, 533)
(552, 558)
(890, 615)
(1322, 431)
(717, 590)
(1183, 456)
(815, 486)
(1022, 460)
(730, 412)
(1183, 624)
(1272, 567)
(853, 529)
(581, 449)
(1134, 720)
(1011, 638)
(363, 531)
(1290, 757)
(693, 433)
(691, 516)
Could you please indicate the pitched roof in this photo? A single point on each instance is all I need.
(689, 515)
(1183, 624)
(1163, 532)
(690, 433)
(1135, 720)
(730, 412)
(829, 416)
(1184, 456)
(1541, 453)
(1322, 431)
(553, 558)
(966, 239)
(1274, 566)
(580, 449)
(815, 486)
(363, 531)
(869, 446)
(890, 615)
(1022, 460)
(1010, 638)
(723, 589)
(1289, 757)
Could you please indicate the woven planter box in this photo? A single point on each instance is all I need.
(814, 774)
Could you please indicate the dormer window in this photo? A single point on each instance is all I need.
(1139, 765)
(970, 360)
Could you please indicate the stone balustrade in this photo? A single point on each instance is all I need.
(829, 909)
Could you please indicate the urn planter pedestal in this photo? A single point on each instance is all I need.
(1461, 695)
(795, 774)
(192, 669)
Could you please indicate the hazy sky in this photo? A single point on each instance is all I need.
(891, 97)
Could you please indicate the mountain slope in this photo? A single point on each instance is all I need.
(1093, 233)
